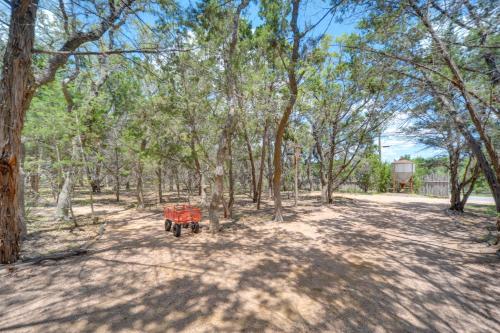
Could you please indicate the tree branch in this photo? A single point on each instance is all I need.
(98, 53)
(76, 40)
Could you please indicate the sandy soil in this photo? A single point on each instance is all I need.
(380, 263)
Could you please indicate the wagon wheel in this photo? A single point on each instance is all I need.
(168, 225)
(195, 227)
(177, 230)
(186, 225)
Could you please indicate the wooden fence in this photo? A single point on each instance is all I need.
(435, 185)
(349, 187)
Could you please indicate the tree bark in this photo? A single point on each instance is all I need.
(20, 189)
(308, 171)
(34, 178)
(331, 158)
(255, 193)
(194, 155)
(117, 175)
(16, 91)
(296, 178)
(293, 89)
(64, 198)
(177, 184)
(17, 88)
(454, 162)
(262, 162)
(139, 173)
(222, 148)
(229, 211)
(322, 178)
(204, 194)
(269, 166)
(471, 182)
(171, 180)
(459, 190)
(160, 183)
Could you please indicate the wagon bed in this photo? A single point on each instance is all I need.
(182, 215)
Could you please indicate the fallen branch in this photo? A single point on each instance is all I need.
(26, 261)
(55, 256)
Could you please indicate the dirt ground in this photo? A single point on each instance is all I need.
(367, 263)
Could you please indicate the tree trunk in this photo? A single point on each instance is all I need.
(92, 211)
(139, 172)
(459, 190)
(244, 180)
(331, 158)
(222, 149)
(262, 162)
(171, 181)
(308, 171)
(329, 183)
(475, 146)
(34, 178)
(284, 187)
(269, 166)
(194, 154)
(255, 193)
(96, 179)
(139, 191)
(16, 92)
(20, 190)
(159, 175)
(322, 178)
(278, 214)
(459, 83)
(177, 184)
(217, 190)
(293, 89)
(454, 163)
(63, 207)
(64, 198)
(471, 181)
(204, 194)
(117, 175)
(296, 185)
(491, 169)
(17, 88)
(229, 212)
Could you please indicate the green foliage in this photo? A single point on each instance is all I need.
(426, 166)
(167, 110)
(48, 129)
(373, 175)
(384, 177)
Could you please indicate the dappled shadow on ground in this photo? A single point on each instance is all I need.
(356, 266)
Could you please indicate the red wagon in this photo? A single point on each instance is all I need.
(182, 215)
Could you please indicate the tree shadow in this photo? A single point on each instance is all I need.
(357, 267)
